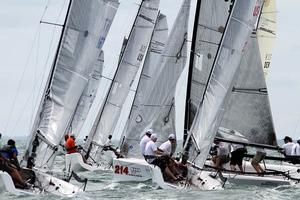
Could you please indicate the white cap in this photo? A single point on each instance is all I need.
(171, 137)
(150, 131)
(153, 136)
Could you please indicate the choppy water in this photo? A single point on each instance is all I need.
(100, 186)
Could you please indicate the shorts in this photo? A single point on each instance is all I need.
(4, 166)
(258, 157)
(161, 162)
(224, 159)
(237, 156)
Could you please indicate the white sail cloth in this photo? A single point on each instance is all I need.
(156, 110)
(87, 98)
(234, 44)
(266, 33)
(213, 15)
(130, 62)
(86, 28)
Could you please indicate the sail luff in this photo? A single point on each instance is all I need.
(234, 44)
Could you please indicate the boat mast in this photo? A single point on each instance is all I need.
(98, 118)
(187, 122)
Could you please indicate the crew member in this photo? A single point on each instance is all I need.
(145, 139)
(260, 155)
(222, 156)
(288, 146)
(237, 156)
(154, 156)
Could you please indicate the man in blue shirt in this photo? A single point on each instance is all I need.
(10, 152)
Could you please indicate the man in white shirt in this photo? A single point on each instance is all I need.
(166, 147)
(145, 139)
(222, 156)
(296, 149)
(288, 146)
(153, 156)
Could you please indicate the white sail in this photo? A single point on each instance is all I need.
(248, 110)
(156, 110)
(149, 71)
(266, 33)
(130, 62)
(85, 30)
(87, 98)
(234, 43)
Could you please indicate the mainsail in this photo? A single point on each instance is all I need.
(87, 98)
(266, 33)
(210, 20)
(86, 26)
(156, 109)
(130, 62)
(240, 24)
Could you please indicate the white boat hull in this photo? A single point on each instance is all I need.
(44, 183)
(138, 170)
(265, 180)
(74, 162)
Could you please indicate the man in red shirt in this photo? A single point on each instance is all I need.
(70, 144)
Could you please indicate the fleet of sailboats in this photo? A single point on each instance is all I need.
(226, 47)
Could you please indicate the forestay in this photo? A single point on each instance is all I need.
(234, 43)
(85, 30)
(156, 110)
(130, 62)
(87, 98)
(266, 33)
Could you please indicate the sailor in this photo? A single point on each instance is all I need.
(296, 149)
(259, 156)
(70, 144)
(10, 152)
(288, 146)
(145, 139)
(108, 144)
(237, 156)
(222, 156)
(154, 156)
(6, 166)
(166, 147)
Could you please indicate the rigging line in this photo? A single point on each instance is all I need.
(24, 70)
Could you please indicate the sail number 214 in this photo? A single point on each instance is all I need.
(121, 169)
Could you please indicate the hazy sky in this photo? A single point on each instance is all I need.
(25, 58)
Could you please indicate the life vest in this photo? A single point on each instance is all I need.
(70, 146)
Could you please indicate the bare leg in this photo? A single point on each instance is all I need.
(169, 173)
(241, 168)
(17, 179)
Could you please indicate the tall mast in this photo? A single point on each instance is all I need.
(187, 122)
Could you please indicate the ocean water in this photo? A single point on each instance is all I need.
(100, 186)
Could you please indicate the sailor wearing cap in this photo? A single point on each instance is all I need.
(288, 146)
(167, 146)
(145, 139)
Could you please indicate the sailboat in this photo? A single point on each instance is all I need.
(84, 31)
(248, 113)
(107, 117)
(156, 109)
